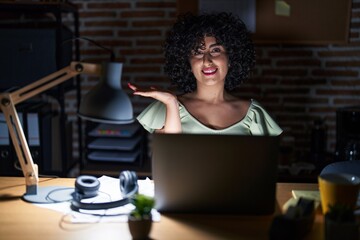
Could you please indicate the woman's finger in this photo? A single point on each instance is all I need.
(145, 94)
(132, 87)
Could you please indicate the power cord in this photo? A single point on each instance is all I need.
(112, 54)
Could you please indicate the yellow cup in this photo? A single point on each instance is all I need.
(338, 188)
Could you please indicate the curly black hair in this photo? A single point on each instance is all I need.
(188, 34)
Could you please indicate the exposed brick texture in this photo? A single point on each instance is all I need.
(295, 83)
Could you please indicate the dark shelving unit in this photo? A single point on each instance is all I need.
(56, 10)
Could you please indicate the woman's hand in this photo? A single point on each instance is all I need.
(162, 96)
(172, 121)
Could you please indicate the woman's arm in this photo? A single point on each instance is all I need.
(172, 120)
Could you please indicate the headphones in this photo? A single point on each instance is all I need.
(87, 186)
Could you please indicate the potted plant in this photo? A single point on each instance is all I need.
(340, 223)
(140, 219)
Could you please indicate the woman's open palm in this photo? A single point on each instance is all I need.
(162, 96)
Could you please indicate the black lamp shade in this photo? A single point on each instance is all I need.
(107, 102)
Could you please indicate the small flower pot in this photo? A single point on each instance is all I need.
(140, 228)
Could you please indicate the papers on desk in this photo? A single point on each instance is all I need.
(109, 191)
(308, 194)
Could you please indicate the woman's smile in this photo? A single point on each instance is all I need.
(209, 63)
(209, 71)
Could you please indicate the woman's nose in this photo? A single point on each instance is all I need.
(207, 57)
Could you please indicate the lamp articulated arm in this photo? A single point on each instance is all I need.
(7, 105)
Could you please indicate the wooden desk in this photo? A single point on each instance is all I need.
(22, 220)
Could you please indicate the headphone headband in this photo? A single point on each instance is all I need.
(88, 186)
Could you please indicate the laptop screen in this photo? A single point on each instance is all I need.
(201, 173)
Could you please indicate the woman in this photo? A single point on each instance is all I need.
(206, 57)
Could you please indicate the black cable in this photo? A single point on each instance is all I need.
(112, 54)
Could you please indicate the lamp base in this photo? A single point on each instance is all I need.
(51, 194)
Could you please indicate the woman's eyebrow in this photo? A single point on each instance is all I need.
(203, 47)
(214, 45)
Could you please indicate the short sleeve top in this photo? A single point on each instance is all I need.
(256, 121)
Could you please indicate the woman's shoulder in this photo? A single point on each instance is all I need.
(255, 103)
(256, 106)
(186, 97)
(153, 116)
(241, 102)
(260, 119)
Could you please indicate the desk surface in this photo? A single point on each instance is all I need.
(22, 220)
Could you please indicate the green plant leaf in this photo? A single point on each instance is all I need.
(143, 205)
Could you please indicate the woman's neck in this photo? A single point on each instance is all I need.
(211, 95)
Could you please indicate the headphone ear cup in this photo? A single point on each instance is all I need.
(86, 186)
(128, 183)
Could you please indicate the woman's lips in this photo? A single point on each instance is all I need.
(209, 71)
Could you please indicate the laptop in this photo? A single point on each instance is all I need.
(215, 174)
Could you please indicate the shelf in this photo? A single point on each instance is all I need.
(112, 148)
(30, 8)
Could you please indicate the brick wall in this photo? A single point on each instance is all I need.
(135, 31)
(295, 83)
(298, 84)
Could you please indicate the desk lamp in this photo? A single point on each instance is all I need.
(106, 102)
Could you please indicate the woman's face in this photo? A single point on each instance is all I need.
(209, 63)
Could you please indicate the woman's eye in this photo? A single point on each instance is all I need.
(198, 54)
(215, 52)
